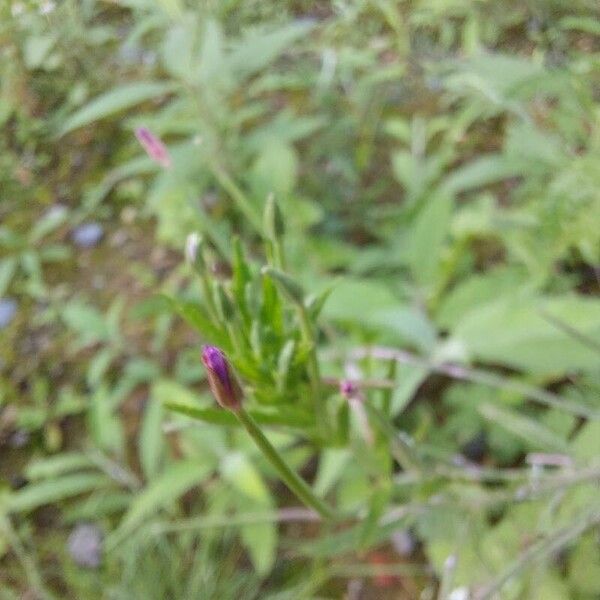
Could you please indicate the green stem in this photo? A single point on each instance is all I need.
(229, 185)
(294, 482)
(388, 393)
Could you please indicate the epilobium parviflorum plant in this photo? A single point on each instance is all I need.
(393, 392)
(275, 367)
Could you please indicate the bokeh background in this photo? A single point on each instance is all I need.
(436, 161)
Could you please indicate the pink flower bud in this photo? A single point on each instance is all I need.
(223, 383)
(155, 149)
(351, 392)
(348, 389)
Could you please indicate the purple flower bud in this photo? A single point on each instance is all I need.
(155, 149)
(223, 383)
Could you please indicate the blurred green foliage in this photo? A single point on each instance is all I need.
(436, 165)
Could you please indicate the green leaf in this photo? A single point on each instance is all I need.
(427, 238)
(291, 288)
(275, 169)
(105, 426)
(216, 416)
(316, 302)
(242, 475)
(54, 466)
(586, 445)
(284, 416)
(331, 466)
(584, 567)
(408, 380)
(87, 321)
(52, 220)
(284, 362)
(8, 267)
(151, 439)
(173, 8)
(537, 436)
(98, 366)
(485, 170)
(353, 299)
(260, 539)
(116, 100)
(497, 76)
(212, 55)
(50, 491)
(514, 332)
(179, 50)
(162, 492)
(258, 49)
(588, 24)
(37, 48)
(198, 319)
(406, 323)
(478, 290)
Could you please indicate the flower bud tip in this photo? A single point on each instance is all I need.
(153, 146)
(223, 384)
(192, 243)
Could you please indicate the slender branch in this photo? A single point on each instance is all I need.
(284, 515)
(545, 547)
(534, 489)
(476, 376)
(583, 339)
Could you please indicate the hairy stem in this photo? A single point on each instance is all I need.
(294, 482)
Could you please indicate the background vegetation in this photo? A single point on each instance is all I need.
(437, 167)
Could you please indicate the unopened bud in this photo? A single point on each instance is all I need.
(192, 244)
(153, 146)
(221, 379)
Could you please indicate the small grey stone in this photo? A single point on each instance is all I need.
(130, 54)
(85, 545)
(19, 438)
(8, 310)
(87, 235)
